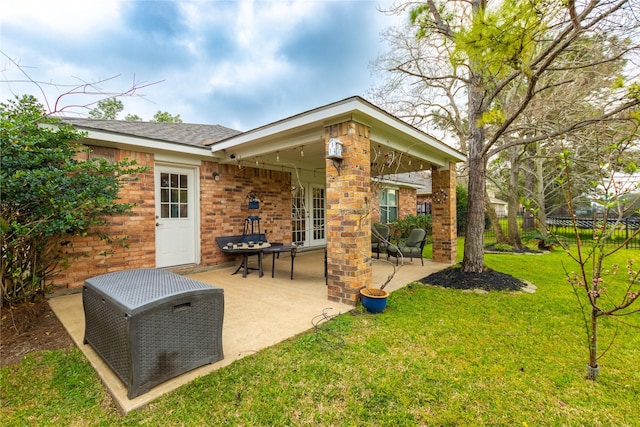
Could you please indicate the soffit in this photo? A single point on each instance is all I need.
(299, 142)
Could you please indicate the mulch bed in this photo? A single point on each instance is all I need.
(488, 280)
(30, 327)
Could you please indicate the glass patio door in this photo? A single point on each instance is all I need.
(308, 215)
(299, 216)
(318, 233)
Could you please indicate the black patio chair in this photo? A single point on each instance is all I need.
(411, 247)
(379, 239)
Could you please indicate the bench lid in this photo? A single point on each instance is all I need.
(140, 287)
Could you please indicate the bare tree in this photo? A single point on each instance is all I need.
(601, 292)
(63, 103)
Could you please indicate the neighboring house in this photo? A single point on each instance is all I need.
(424, 199)
(201, 178)
(500, 206)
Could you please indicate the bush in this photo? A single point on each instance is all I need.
(501, 247)
(48, 196)
(544, 241)
(401, 227)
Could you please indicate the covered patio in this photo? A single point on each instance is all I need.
(259, 312)
(351, 145)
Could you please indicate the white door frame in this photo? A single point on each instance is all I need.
(317, 232)
(308, 214)
(178, 239)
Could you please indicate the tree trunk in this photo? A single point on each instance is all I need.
(539, 195)
(513, 199)
(528, 220)
(473, 260)
(495, 221)
(593, 370)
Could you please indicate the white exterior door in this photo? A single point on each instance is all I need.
(176, 215)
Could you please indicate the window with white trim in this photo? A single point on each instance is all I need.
(388, 205)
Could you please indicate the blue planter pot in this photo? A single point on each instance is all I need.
(373, 300)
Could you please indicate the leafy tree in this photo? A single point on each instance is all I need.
(48, 196)
(477, 70)
(571, 101)
(164, 117)
(107, 109)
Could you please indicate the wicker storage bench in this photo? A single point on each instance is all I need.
(151, 325)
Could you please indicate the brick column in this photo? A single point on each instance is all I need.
(443, 210)
(348, 216)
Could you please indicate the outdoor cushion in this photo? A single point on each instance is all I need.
(411, 247)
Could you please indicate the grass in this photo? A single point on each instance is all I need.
(434, 357)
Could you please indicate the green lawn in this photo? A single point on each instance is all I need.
(435, 357)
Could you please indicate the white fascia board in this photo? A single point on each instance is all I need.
(416, 149)
(428, 143)
(145, 144)
(304, 120)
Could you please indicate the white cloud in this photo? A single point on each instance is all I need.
(257, 31)
(62, 18)
(247, 74)
(239, 64)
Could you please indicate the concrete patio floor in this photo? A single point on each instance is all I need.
(253, 320)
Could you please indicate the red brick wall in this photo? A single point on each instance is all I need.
(375, 202)
(86, 252)
(407, 201)
(424, 199)
(223, 207)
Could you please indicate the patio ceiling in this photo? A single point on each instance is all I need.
(299, 142)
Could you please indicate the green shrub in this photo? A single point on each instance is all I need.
(48, 196)
(545, 242)
(501, 247)
(401, 227)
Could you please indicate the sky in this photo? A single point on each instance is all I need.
(239, 64)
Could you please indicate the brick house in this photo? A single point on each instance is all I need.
(201, 178)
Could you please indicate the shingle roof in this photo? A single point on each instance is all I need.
(181, 133)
